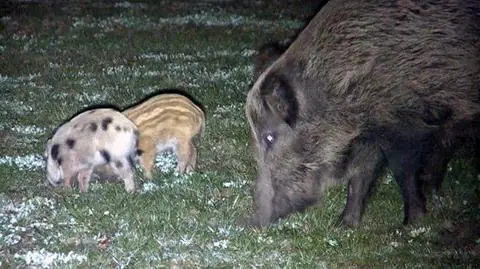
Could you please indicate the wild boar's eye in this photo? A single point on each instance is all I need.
(269, 138)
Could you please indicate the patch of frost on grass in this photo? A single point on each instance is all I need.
(26, 162)
(217, 18)
(148, 187)
(91, 98)
(126, 73)
(15, 218)
(4, 78)
(158, 57)
(166, 161)
(421, 230)
(222, 18)
(227, 108)
(28, 130)
(165, 56)
(19, 107)
(235, 184)
(127, 4)
(45, 259)
(222, 244)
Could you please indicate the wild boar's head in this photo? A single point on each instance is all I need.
(285, 147)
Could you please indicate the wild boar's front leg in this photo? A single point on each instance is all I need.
(364, 167)
(263, 202)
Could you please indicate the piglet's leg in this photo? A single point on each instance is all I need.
(184, 153)
(68, 174)
(84, 178)
(123, 169)
(67, 181)
(147, 157)
(192, 158)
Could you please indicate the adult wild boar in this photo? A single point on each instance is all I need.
(365, 86)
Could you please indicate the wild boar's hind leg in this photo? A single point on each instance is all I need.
(363, 169)
(405, 160)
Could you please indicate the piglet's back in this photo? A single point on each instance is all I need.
(102, 122)
(172, 112)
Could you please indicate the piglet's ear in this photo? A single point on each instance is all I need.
(278, 97)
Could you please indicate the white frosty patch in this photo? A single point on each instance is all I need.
(207, 18)
(127, 4)
(28, 130)
(18, 106)
(165, 56)
(166, 161)
(331, 242)
(3, 78)
(221, 18)
(26, 162)
(197, 56)
(234, 184)
(13, 217)
(45, 259)
(91, 98)
(416, 232)
(223, 244)
(227, 108)
(148, 187)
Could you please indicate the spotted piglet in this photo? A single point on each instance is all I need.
(92, 138)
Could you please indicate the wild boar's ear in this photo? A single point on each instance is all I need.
(279, 97)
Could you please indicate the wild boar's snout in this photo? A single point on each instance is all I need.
(367, 85)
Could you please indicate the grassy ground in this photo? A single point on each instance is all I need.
(59, 59)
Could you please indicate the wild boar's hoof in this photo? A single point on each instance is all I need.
(349, 220)
(253, 221)
(247, 222)
(414, 216)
